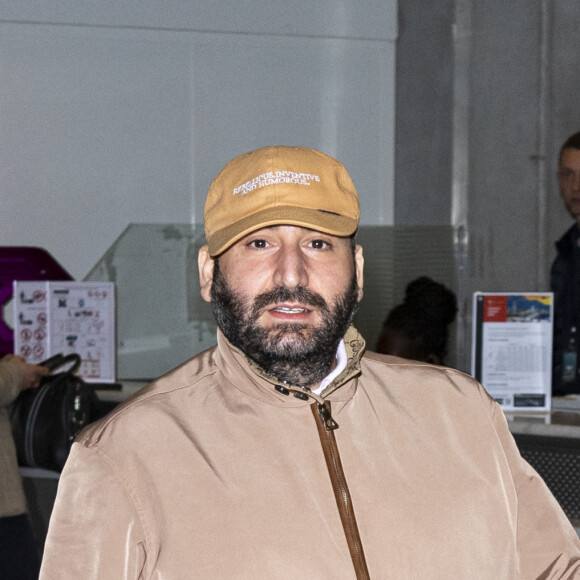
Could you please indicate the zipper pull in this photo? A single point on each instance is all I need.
(324, 413)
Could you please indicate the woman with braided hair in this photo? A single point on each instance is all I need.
(418, 327)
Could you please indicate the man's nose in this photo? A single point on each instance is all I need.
(291, 267)
(576, 181)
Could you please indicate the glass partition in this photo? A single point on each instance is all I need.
(162, 319)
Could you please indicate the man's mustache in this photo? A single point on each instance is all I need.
(285, 294)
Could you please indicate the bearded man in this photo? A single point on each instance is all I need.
(287, 451)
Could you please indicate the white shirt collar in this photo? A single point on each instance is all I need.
(341, 360)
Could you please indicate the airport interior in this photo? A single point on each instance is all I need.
(449, 116)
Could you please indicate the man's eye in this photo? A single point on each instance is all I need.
(319, 244)
(259, 244)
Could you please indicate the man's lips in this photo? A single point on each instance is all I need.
(289, 310)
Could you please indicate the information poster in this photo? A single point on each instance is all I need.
(67, 317)
(512, 348)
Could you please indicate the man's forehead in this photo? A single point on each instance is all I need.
(290, 227)
(289, 230)
(570, 158)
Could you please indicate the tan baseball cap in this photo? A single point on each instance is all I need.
(279, 185)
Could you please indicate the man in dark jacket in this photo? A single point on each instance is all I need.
(565, 277)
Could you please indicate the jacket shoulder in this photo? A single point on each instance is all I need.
(166, 391)
(394, 368)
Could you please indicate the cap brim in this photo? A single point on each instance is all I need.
(319, 220)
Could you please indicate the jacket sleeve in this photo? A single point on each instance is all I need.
(95, 529)
(10, 383)
(548, 545)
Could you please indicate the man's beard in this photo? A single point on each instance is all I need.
(290, 351)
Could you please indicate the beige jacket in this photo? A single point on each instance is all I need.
(211, 473)
(12, 499)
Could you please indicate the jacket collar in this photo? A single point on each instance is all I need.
(247, 376)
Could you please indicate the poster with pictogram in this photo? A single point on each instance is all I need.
(66, 317)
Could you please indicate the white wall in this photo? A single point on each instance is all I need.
(116, 113)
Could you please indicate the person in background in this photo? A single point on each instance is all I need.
(287, 451)
(565, 277)
(418, 328)
(19, 559)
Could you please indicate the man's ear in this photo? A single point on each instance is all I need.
(205, 264)
(359, 263)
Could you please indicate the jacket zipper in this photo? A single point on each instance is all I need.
(326, 426)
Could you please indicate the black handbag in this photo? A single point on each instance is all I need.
(46, 420)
